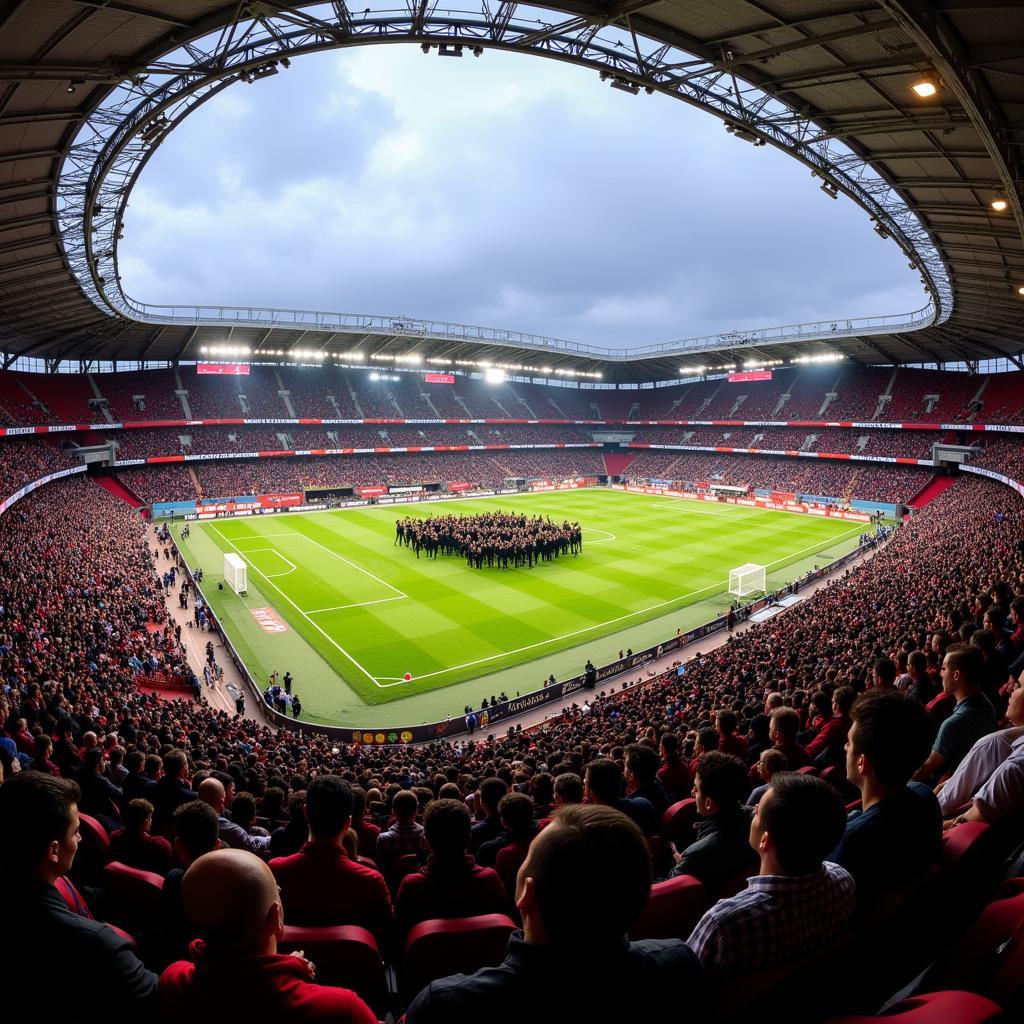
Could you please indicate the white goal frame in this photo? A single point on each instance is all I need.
(747, 579)
(236, 574)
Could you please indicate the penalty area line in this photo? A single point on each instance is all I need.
(330, 639)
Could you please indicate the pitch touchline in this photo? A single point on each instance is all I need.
(586, 629)
(326, 635)
(355, 565)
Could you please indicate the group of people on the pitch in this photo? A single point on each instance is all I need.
(497, 538)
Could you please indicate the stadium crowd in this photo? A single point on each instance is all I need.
(845, 393)
(932, 628)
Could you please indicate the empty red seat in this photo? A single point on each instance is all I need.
(345, 955)
(935, 1008)
(673, 909)
(133, 895)
(677, 822)
(437, 948)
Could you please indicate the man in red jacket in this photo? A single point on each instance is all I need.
(321, 884)
(232, 901)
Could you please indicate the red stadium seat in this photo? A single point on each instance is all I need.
(808, 769)
(965, 848)
(133, 895)
(673, 909)
(345, 955)
(935, 1008)
(990, 949)
(93, 850)
(124, 935)
(677, 822)
(437, 948)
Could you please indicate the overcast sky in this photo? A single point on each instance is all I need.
(503, 191)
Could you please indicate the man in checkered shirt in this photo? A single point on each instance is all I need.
(799, 901)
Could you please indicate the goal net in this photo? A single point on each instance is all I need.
(236, 573)
(747, 579)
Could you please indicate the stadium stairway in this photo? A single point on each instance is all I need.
(931, 490)
(616, 463)
(118, 490)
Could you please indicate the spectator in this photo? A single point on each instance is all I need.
(451, 883)
(963, 670)
(642, 777)
(674, 773)
(721, 850)
(491, 792)
(728, 741)
(38, 841)
(170, 792)
(769, 763)
(230, 833)
(405, 836)
(288, 839)
(134, 846)
(585, 881)
(829, 745)
(362, 825)
(516, 810)
(896, 835)
(232, 901)
(988, 785)
(785, 724)
(603, 784)
(321, 884)
(798, 901)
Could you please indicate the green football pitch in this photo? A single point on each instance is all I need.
(333, 601)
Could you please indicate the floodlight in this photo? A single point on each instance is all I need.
(1020, 290)
(494, 376)
(999, 205)
(926, 86)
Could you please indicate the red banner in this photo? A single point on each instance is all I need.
(745, 375)
(279, 500)
(439, 378)
(460, 485)
(783, 496)
(224, 369)
(371, 492)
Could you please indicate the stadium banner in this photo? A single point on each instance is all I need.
(13, 499)
(993, 475)
(223, 369)
(460, 485)
(439, 378)
(1002, 428)
(371, 492)
(748, 375)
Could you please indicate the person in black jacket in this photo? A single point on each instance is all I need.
(721, 851)
(583, 884)
(38, 841)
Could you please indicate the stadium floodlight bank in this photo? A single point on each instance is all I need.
(236, 574)
(747, 579)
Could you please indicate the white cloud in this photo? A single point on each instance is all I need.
(505, 191)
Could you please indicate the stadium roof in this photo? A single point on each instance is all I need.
(90, 88)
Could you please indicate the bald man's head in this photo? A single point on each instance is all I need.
(232, 900)
(211, 791)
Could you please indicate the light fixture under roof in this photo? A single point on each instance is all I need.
(999, 204)
(926, 86)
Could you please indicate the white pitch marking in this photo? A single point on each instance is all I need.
(273, 551)
(608, 536)
(687, 510)
(330, 639)
(608, 622)
(355, 604)
(355, 565)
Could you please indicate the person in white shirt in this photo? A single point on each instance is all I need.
(988, 785)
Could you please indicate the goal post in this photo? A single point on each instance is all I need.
(236, 574)
(747, 579)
